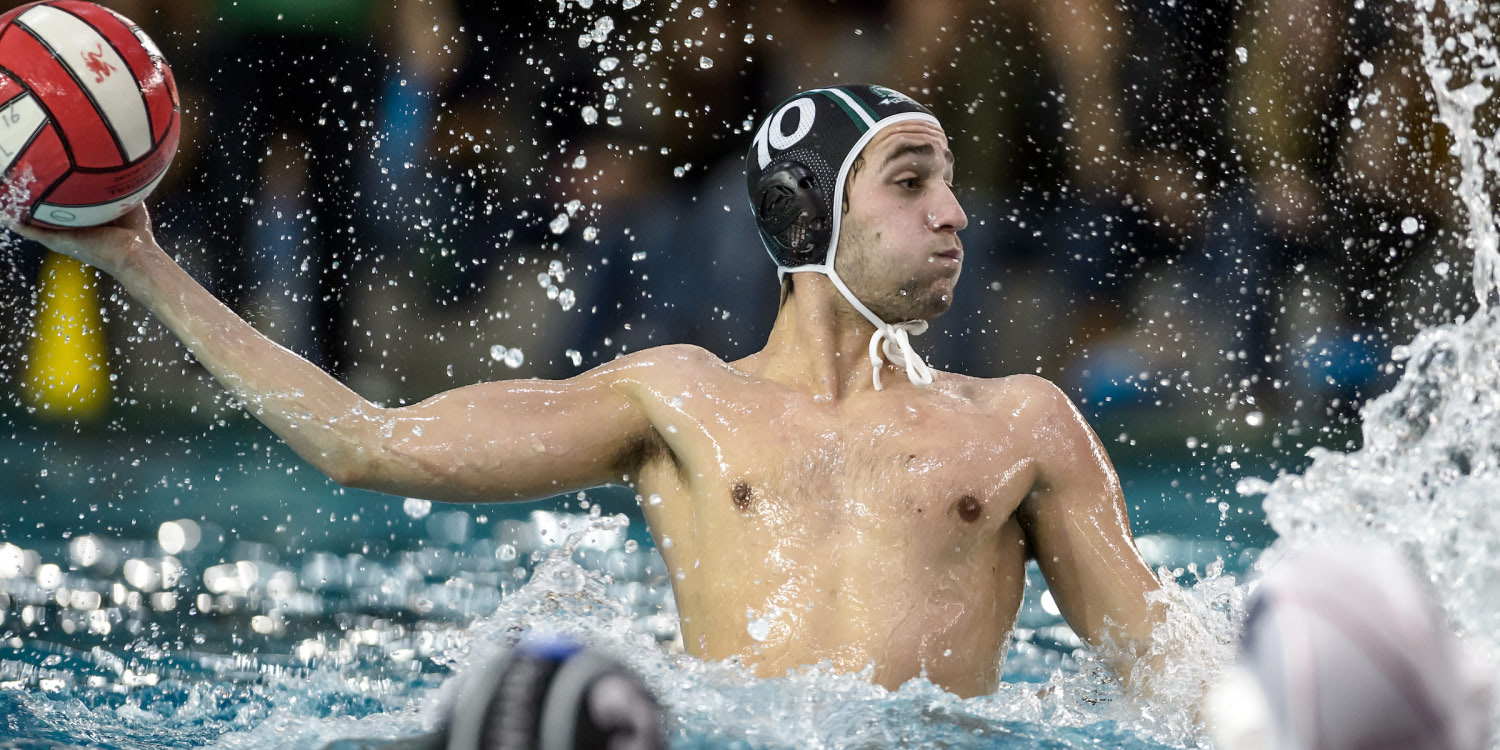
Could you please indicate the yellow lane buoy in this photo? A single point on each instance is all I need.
(67, 362)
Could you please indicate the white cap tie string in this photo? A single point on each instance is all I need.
(894, 340)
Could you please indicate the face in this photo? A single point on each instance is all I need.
(898, 249)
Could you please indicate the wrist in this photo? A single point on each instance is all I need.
(133, 263)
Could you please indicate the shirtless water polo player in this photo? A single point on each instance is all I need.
(871, 510)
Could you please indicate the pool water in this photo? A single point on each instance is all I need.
(209, 595)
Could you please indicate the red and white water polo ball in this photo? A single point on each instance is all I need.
(89, 117)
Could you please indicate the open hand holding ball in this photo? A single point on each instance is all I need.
(89, 114)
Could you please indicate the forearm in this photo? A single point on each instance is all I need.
(321, 419)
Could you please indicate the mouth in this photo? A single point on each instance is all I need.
(953, 254)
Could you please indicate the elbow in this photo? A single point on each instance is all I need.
(349, 458)
(350, 469)
(345, 473)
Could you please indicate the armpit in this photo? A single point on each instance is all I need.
(639, 451)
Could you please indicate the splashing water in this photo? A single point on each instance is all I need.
(14, 196)
(1427, 476)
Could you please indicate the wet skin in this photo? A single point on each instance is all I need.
(879, 529)
(887, 528)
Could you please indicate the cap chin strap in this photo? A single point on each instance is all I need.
(891, 339)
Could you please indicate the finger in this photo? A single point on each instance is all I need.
(51, 238)
(29, 232)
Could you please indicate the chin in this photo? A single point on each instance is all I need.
(933, 305)
(941, 298)
(939, 307)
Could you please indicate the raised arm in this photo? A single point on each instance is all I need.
(1077, 527)
(495, 441)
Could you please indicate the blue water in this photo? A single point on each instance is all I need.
(305, 613)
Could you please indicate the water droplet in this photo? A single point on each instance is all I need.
(705, 62)
(1366, 68)
(602, 27)
(590, 115)
(497, 352)
(609, 63)
(589, 233)
(759, 628)
(614, 121)
(749, 38)
(506, 552)
(580, 161)
(1252, 486)
(1255, 419)
(567, 299)
(1242, 53)
(639, 255)
(416, 507)
(555, 270)
(514, 358)
(559, 225)
(628, 4)
(574, 356)
(696, 12)
(1410, 225)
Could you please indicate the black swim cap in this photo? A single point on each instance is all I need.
(800, 159)
(553, 694)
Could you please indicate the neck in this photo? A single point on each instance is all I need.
(821, 344)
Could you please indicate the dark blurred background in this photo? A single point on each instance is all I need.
(1209, 221)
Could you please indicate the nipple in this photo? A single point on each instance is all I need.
(969, 508)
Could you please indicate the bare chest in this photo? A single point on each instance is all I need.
(784, 473)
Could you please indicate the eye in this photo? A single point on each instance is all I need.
(910, 183)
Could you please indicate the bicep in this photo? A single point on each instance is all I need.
(508, 440)
(1078, 529)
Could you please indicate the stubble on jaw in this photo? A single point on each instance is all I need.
(856, 264)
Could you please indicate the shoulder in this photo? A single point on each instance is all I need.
(1038, 407)
(660, 366)
(1015, 396)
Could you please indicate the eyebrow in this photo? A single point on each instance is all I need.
(914, 149)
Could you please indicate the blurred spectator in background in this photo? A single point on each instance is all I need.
(294, 87)
(1330, 114)
(1235, 192)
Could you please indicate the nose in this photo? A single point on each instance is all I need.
(947, 215)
